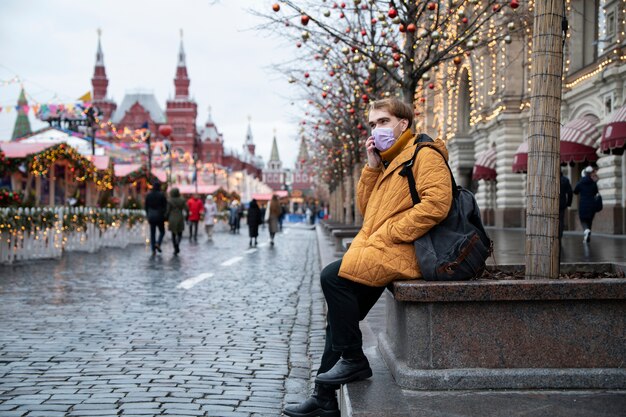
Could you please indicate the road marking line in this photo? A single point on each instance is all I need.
(251, 250)
(232, 261)
(188, 283)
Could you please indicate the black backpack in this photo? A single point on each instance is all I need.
(458, 247)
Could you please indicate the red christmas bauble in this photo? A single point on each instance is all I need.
(411, 27)
(457, 60)
(276, 7)
(304, 19)
(431, 86)
(514, 4)
(432, 6)
(401, 28)
(392, 13)
(165, 130)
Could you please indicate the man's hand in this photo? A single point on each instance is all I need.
(373, 158)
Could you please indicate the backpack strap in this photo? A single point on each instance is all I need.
(407, 171)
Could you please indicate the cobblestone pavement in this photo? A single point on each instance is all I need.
(222, 330)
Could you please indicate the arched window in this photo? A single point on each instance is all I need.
(463, 103)
(584, 42)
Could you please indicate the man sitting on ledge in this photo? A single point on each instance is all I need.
(383, 249)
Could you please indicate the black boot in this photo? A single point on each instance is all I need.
(322, 403)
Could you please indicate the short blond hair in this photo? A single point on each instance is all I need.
(395, 107)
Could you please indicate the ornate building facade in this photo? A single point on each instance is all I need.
(482, 110)
(191, 145)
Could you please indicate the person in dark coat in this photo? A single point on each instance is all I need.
(274, 210)
(587, 189)
(176, 213)
(254, 220)
(565, 200)
(156, 206)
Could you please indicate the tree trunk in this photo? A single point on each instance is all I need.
(542, 219)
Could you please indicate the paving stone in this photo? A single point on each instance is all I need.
(123, 339)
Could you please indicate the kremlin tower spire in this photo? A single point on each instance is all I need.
(249, 143)
(274, 161)
(181, 82)
(274, 175)
(182, 111)
(303, 154)
(100, 83)
(302, 175)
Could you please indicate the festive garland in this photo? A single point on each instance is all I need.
(137, 175)
(81, 168)
(9, 165)
(10, 199)
(14, 220)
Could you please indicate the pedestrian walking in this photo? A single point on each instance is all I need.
(254, 220)
(176, 209)
(565, 200)
(281, 217)
(273, 214)
(263, 211)
(383, 249)
(195, 208)
(587, 189)
(233, 218)
(210, 211)
(156, 206)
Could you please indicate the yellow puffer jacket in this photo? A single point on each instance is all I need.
(383, 249)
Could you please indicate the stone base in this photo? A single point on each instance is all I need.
(541, 334)
(510, 217)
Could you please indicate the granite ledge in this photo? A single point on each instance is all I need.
(509, 290)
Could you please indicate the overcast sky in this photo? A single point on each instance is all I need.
(51, 46)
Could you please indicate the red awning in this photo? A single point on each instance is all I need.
(520, 160)
(122, 170)
(578, 138)
(192, 189)
(268, 196)
(485, 166)
(22, 150)
(614, 134)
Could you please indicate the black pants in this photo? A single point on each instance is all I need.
(586, 222)
(193, 229)
(153, 241)
(348, 303)
(176, 238)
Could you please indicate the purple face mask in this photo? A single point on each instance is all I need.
(384, 137)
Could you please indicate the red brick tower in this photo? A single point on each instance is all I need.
(302, 172)
(274, 174)
(99, 83)
(182, 111)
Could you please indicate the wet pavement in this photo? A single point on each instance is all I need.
(509, 247)
(221, 330)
